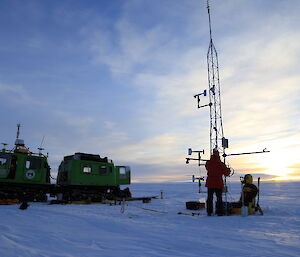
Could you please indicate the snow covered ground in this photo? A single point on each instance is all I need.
(102, 230)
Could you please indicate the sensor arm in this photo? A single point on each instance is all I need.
(232, 154)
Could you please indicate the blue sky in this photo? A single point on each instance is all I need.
(118, 78)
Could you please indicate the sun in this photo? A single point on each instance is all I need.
(279, 162)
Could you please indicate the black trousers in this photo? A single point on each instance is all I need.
(209, 202)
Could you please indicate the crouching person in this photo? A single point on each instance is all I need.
(250, 192)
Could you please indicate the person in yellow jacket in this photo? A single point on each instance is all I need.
(249, 190)
(248, 197)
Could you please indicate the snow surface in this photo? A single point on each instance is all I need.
(102, 230)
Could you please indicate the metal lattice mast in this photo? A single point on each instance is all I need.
(216, 125)
(217, 139)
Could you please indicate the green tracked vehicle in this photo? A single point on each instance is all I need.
(24, 175)
(88, 176)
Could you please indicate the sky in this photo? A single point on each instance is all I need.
(117, 78)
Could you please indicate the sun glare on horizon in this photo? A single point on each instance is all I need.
(279, 163)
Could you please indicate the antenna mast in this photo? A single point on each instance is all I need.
(217, 140)
(18, 130)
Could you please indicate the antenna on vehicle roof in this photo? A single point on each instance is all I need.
(18, 130)
(19, 142)
(41, 148)
(4, 145)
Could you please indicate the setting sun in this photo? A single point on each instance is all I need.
(281, 162)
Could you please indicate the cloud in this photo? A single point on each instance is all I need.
(154, 150)
(258, 80)
(129, 92)
(16, 94)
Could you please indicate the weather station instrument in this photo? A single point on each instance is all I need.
(217, 138)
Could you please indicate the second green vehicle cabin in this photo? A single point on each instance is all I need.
(91, 174)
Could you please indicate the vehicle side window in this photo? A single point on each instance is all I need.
(87, 169)
(122, 170)
(33, 164)
(4, 159)
(102, 170)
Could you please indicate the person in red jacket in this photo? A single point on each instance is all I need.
(214, 182)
